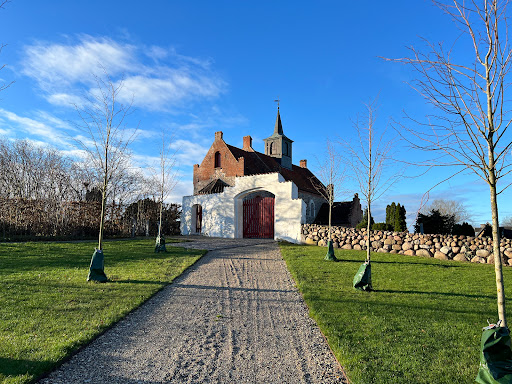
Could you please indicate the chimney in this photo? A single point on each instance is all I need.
(218, 135)
(248, 144)
(303, 163)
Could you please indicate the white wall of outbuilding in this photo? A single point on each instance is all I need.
(222, 214)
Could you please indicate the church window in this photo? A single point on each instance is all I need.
(217, 159)
(272, 148)
(312, 210)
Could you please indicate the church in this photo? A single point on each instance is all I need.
(242, 193)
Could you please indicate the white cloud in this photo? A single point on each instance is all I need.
(65, 99)
(164, 92)
(154, 77)
(157, 53)
(182, 189)
(57, 64)
(188, 152)
(33, 127)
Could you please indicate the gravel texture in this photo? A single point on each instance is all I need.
(234, 317)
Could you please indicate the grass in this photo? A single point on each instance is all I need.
(48, 309)
(422, 324)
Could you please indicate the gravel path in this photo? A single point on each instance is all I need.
(234, 317)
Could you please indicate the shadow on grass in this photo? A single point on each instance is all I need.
(406, 262)
(393, 306)
(43, 259)
(469, 296)
(15, 367)
(347, 261)
(138, 282)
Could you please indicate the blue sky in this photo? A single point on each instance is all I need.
(196, 67)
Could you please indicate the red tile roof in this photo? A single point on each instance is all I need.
(256, 163)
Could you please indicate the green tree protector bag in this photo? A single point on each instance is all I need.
(160, 244)
(363, 278)
(330, 252)
(495, 356)
(96, 270)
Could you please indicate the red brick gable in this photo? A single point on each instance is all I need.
(239, 162)
(230, 166)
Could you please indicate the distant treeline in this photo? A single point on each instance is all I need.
(46, 195)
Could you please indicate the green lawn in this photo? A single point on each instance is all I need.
(422, 324)
(48, 309)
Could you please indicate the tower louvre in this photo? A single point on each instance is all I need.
(278, 145)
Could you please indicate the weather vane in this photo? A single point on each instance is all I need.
(277, 101)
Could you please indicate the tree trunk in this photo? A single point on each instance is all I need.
(368, 235)
(102, 217)
(494, 203)
(103, 199)
(330, 215)
(500, 288)
(162, 187)
(160, 220)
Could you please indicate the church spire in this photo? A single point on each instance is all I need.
(278, 129)
(278, 145)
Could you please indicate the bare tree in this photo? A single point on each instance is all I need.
(369, 158)
(329, 185)
(166, 183)
(105, 143)
(3, 86)
(449, 207)
(471, 129)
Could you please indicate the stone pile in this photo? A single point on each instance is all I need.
(443, 247)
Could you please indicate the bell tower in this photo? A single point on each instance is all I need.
(278, 145)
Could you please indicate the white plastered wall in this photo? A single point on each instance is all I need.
(222, 212)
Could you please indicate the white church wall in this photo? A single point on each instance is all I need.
(223, 216)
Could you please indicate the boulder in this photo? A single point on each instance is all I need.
(406, 246)
(460, 257)
(424, 253)
(382, 250)
(445, 250)
(310, 241)
(357, 247)
(409, 252)
(440, 256)
(347, 246)
(478, 259)
(482, 252)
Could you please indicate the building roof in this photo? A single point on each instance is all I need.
(256, 163)
(340, 213)
(216, 186)
(278, 129)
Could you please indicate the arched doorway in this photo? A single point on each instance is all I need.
(197, 218)
(258, 215)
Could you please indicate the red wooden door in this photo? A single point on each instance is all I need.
(199, 218)
(259, 218)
